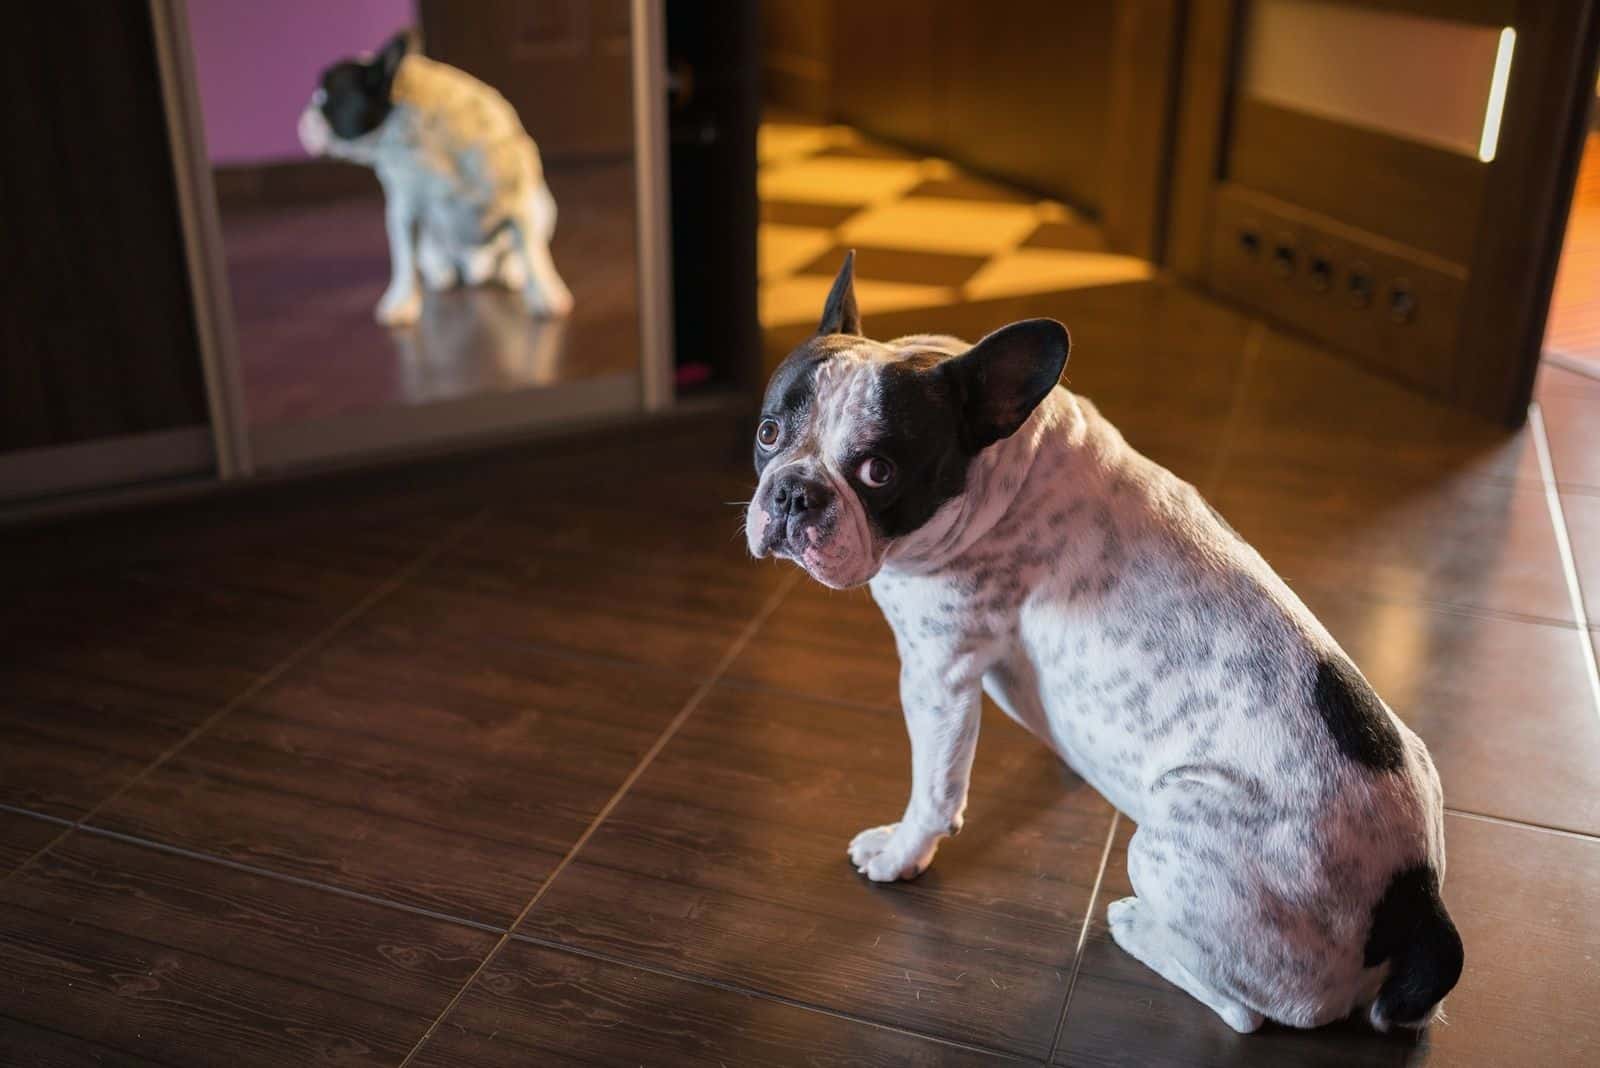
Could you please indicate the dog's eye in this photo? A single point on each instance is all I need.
(767, 433)
(875, 471)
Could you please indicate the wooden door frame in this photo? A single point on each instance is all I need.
(1514, 259)
(202, 238)
(1145, 52)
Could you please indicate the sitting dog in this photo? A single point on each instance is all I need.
(464, 191)
(1290, 840)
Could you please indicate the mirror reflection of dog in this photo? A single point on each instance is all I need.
(465, 199)
(1290, 846)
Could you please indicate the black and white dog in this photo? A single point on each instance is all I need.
(464, 192)
(1290, 841)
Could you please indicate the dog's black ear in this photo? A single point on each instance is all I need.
(839, 314)
(1002, 379)
(387, 61)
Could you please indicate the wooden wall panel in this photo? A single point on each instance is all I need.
(563, 64)
(97, 337)
(1024, 98)
(1027, 95)
(894, 92)
(797, 55)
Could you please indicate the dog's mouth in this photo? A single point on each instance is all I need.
(829, 553)
(785, 537)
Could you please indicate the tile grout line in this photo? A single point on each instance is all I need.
(767, 995)
(1569, 563)
(423, 912)
(1571, 364)
(42, 817)
(143, 1059)
(767, 608)
(1522, 825)
(292, 880)
(267, 678)
(1253, 342)
(1083, 935)
(487, 928)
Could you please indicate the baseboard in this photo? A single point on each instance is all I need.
(86, 466)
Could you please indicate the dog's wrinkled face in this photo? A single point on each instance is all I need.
(351, 101)
(860, 444)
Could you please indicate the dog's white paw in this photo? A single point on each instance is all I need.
(549, 302)
(438, 275)
(1120, 913)
(400, 307)
(438, 271)
(888, 853)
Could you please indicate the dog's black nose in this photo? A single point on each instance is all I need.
(797, 496)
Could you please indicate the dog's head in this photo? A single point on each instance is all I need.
(860, 444)
(351, 100)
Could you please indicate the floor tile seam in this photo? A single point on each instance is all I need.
(266, 679)
(769, 606)
(1083, 936)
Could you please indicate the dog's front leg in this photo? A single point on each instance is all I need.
(943, 709)
(402, 301)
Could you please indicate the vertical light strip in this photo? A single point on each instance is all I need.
(1569, 564)
(1497, 95)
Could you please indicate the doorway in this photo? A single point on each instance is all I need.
(981, 161)
(1572, 333)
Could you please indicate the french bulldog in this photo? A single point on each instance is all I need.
(465, 198)
(1290, 843)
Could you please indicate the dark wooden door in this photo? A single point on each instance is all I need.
(1389, 177)
(97, 335)
(565, 65)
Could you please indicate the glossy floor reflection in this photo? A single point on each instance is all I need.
(306, 277)
(517, 759)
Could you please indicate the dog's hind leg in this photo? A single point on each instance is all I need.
(495, 259)
(433, 261)
(532, 227)
(1142, 936)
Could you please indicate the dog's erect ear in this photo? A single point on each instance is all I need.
(1002, 378)
(839, 314)
(387, 61)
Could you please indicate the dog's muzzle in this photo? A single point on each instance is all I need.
(793, 507)
(314, 131)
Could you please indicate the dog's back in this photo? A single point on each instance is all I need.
(455, 122)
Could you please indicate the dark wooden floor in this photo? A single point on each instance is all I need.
(518, 760)
(306, 277)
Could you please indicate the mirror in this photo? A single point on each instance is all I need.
(428, 215)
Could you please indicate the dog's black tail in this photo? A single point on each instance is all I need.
(1413, 932)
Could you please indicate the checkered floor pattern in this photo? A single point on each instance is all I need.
(925, 234)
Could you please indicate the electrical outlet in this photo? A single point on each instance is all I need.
(1320, 274)
(1284, 257)
(1393, 307)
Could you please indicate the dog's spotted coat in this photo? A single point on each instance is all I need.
(1290, 838)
